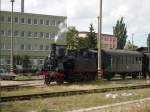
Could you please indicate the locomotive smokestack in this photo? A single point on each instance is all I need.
(22, 6)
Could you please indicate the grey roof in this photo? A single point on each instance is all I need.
(124, 52)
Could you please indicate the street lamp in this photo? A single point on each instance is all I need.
(100, 72)
(11, 54)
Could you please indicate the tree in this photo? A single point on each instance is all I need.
(72, 38)
(91, 38)
(130, 46)
(82, 42)
(26, 63)
(120, 32)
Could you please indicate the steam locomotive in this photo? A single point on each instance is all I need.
(81, 65)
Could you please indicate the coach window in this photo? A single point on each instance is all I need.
(136, 60)
(126, 59)
(140, 60)
(133, 60)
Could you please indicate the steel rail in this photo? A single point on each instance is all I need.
(68, 93)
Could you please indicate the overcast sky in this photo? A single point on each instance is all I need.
(81, 13)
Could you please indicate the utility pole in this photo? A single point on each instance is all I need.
(100, 72)
(11, 54)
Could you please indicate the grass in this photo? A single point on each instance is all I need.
(61, 104)
(147, 109)
(69, 87)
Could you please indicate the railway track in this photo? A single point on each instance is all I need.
(68, 93)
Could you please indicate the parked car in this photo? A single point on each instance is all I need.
(4, 75)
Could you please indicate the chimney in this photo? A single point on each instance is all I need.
(22, 6)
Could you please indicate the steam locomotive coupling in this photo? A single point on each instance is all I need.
(81, 65)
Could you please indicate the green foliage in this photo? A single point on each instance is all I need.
(120, 32)
(92, 38)
(147, 110)
(72, 38)
(17, 60)
(26, 62)
(131, 46)
(43, 110)
(82, 42)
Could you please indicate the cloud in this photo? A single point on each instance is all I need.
(81, 13)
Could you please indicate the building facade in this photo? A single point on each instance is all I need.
(107, 41)
(32, 35)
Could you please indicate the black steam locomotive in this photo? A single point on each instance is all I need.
(81, 65)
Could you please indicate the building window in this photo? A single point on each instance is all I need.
(22, 21)
(7, 47)
(16, 20)
(16, 33)
(29, 34)
(8, 61)
(2, 33)
(41, 34)
(110, 39)
(52, 36)
(35, 21)
(2, 61)
(2, 19)
(22, 33)
(41, 47)
(41, 61)
(59, 22)
(29, 21)
(2, 46)
(47, 35)
(41, 21)
(29, 47)
(47, 47)
(9, 33)
(22, 47)
(47, 22)
(9, 19)
(35, 34)
(53, 23)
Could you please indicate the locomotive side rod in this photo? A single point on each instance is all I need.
(69, 93)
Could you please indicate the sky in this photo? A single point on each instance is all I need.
(81, 13)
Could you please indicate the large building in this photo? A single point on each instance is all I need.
(32, 35)
(107, 41)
